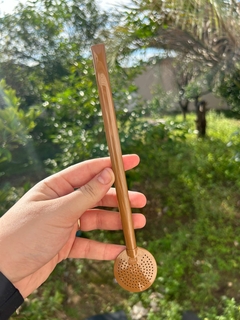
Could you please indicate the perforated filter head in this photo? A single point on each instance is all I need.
(135, 274)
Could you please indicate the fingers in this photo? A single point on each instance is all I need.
(107, 220)
(77, 202)
(137, 200)
(77, 175)
(90, 249)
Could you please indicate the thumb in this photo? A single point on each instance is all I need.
(87, 196)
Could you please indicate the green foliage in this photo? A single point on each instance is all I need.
(40, 39)
(161, 102)
(192, 186)
(47, 31)
(9, 195)
(231, 311)
(229, 89)
(194, 89)
(47, 303)
(46, 61)
(73, 117)
(73, 114)
(15, 124)
(169, 310)
(201, 43)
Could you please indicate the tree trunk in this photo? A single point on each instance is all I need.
(184, 108)
(201, 122)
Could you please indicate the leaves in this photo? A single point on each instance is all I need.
(14, 123)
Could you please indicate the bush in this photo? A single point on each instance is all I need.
(192, 185)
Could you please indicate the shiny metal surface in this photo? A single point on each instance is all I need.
(135, 268)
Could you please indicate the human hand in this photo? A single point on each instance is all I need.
(39, 231)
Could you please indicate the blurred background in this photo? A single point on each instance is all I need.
(175, 75)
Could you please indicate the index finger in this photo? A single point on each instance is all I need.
(137, 199)
(67, 180)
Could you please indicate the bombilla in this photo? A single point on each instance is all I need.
(113, 141)
(135, 269)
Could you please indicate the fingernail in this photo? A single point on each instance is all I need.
(105, 177)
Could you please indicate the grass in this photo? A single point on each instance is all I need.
(193, 230)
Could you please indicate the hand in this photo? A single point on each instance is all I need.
(39, 231)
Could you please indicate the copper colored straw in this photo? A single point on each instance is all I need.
(110, 124)
(135, 268)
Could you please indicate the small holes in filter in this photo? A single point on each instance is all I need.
(135, 274)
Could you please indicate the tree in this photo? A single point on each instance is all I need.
(200, 33)
(74, 121)
(40, 39)
(187, 75)
(201, 30)
(41, 43)
(229, 88)
(15, 128)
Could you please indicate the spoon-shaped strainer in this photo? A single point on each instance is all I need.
(135, 268)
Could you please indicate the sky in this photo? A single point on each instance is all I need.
(6, 6)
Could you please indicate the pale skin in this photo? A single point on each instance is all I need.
(39, 231)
